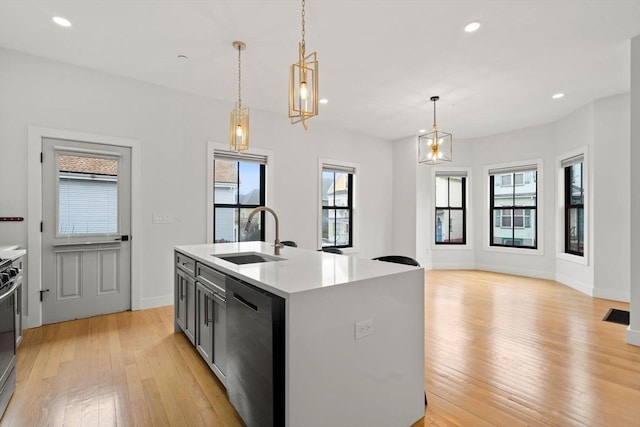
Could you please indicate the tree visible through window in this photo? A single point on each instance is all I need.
(450, 218)
(574, 209)
(513, 208)
(239, 186)
(337, 208)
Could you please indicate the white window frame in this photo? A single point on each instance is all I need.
(468, 204)
(539, 251)
(268, 196)
(560, 225)
(355, 220)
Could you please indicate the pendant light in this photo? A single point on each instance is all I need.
(434, 147)
(303, 84)
(239, 126)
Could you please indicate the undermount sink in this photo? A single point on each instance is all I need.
(247, 258)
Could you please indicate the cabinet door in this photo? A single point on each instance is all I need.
(204, 330)
(190, 309)
(180, 298)
(219, 354)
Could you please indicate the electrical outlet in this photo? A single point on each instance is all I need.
(364, 328)
(158, 218)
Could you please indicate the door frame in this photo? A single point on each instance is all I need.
(33, 316)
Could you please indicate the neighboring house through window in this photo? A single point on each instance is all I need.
(450, 209)
(239, 186)
(88, 195)
(513, 199)
(337, 205)
(574, 205)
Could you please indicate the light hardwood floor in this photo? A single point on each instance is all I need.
(500, 350)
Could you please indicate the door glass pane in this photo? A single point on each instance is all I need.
(455, 192)
(327, 188)
(225, 182)
(249, 183)
(442, 192)
(226, 229)
(87, 195)
(253, 234)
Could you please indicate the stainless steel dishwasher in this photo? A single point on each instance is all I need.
(255, 358)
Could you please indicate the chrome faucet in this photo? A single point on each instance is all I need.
(277, 245)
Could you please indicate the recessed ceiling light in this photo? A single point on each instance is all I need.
(183, 57)
(63, 22)
(558, 95)
(471, 27)
(422, 131)
(324, 101)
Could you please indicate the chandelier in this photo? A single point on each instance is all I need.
(434, 147)
(239, 126)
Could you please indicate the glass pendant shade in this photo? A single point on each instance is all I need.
(436, 146)
(303, 88)
(239, 124)
(239, 129)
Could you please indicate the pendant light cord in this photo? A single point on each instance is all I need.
(239, 78)
(303, 29)
(434, 112)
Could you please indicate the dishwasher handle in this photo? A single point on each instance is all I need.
(246, 303)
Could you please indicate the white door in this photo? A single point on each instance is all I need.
(86, 209)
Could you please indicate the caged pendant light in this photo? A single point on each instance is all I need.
(435, 147)
(303, 84)
(239, 126)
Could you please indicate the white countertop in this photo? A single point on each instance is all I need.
(13, 254)
(301, 269)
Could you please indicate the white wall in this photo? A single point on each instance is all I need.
(633, 333)
(173, 129)
(611, 177)
(600, 129)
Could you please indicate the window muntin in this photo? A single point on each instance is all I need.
(450, 210)
(514, 208)
(239, 186)
(337, 208)
(574, 209)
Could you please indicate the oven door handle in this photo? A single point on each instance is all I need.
(9, 293)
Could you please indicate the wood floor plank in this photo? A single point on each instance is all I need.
(501, 350)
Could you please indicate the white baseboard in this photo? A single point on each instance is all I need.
(156, 301)
(452, 266)
(623, 296)
(516, 271)
(633, 336)
(575, 284)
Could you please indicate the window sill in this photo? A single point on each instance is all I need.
(446, 247)
(576, 259)
(518, 251)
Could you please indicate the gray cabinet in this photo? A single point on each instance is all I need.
(211, 333)
(185, 296)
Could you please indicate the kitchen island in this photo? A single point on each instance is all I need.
(353, 330)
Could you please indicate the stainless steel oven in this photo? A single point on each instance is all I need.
(9, 281)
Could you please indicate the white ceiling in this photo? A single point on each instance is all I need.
(380, 60)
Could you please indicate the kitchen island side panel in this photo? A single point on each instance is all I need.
(377, 380)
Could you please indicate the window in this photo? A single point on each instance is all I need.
(239, 186)
(574, 206)
(337, 206)
(450, 218)
(87, 195)
(513, 207)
